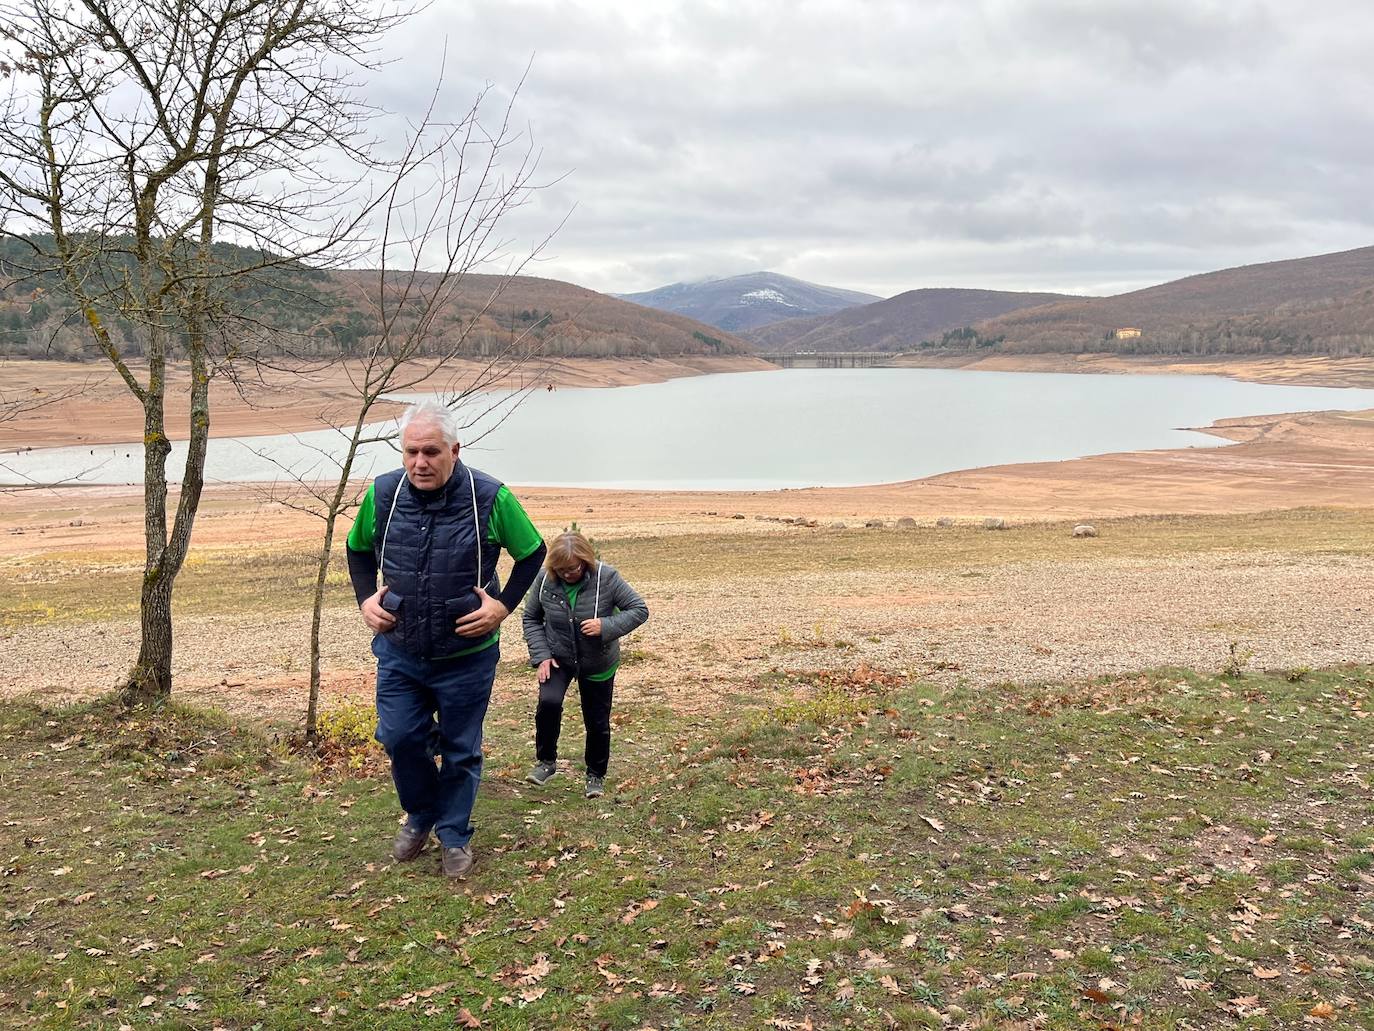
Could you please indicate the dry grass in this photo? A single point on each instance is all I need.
(737, 601)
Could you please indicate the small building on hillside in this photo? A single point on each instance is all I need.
(1127, 333)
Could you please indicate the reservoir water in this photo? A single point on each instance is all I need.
(766, 430)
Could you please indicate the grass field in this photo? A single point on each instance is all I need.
(807, 826)
(95, 584)
(1170, 850)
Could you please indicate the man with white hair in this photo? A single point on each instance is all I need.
(434, 530)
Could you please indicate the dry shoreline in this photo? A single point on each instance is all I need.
(1277, 462)
(1320, 459)
(100, 409)
(1033, 604)
(1279, 371)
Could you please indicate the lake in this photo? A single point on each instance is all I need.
(791, 428)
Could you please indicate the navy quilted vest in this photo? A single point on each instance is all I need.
(427, 550)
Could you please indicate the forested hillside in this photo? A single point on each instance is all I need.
(297, 310)
(1322, 305)
(901, 323)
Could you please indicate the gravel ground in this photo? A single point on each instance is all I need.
(987, 624)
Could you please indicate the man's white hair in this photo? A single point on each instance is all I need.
(431, 413)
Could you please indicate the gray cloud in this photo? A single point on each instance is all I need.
(1083, 145)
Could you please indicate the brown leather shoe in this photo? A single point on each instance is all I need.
(409, 843)
(457, 862)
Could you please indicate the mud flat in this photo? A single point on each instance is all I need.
(1311, 372)
(98, 408)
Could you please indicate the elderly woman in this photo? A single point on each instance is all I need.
(574, 618)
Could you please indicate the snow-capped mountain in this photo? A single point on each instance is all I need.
(743, 302)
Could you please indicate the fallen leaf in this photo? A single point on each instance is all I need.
(535, 971)
(1264, 973)
(1323, 1011)
(934, 823)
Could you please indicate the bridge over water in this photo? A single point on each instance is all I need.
(832, 359)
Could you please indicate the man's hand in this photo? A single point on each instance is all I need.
(481, 621)
(378, 619)
(591, 627)
(546, 669)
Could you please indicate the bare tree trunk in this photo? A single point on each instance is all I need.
(150, 680)
(312, 708)
(134, 130)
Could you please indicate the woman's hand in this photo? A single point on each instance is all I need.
(546, 669)
(591, 627)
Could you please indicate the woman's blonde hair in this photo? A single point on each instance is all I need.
(568, 548)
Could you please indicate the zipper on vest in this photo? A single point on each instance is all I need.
(577, 652)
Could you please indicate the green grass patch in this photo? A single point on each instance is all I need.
(883, 853)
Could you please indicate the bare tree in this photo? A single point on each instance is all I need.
(137, 137)
(441, 215)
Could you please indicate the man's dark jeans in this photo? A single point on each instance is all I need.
(596, 716)
(410, 692)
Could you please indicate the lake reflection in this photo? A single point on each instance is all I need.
(792, 428)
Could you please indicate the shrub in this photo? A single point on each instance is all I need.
(1236, 660)
(346, 737)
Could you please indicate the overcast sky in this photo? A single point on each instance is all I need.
(1088, 146)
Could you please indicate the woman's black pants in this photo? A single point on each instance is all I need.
(596, 716)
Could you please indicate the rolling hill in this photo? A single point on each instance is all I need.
(316, 313)
(1317, 305)
(899, 323)
(740, 303)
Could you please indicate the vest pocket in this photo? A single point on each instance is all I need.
(456, 608)
(395, 604)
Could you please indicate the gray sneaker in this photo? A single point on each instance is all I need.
(541, 773)
(596, 786)
(457, 862)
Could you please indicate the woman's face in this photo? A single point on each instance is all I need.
(570, 574)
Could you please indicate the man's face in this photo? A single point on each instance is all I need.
(428, 460)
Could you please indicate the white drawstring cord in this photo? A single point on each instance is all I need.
(381, 564)
(476, 529)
